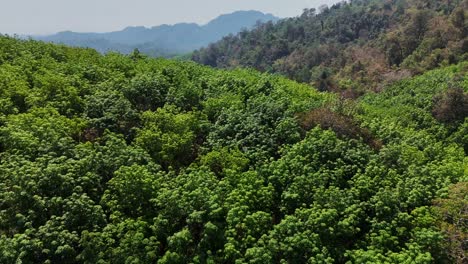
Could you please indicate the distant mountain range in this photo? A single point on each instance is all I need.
(163, 40)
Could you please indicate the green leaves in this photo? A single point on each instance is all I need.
(110, 110)
(113, 159)
(147, 92)
(42, 130)
(130, 191)
(169, 136)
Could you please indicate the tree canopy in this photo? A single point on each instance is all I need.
(127, 159)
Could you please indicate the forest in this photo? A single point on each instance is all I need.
(338, 136)
(129, 159)
(352, 47)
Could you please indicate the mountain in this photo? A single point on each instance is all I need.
(164, 39)
(351, 46)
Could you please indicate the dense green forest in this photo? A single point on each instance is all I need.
(126, 159)
(351, 47)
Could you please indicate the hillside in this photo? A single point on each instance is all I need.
(126, 159)
(351, 47)
(164, 40)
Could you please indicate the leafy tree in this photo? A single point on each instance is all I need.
(110, 110)
(147, 92)
(170, 136)
(451, 106)
(452, 213)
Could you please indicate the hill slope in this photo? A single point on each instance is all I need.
(126, 159)
(164, 39)
(354, 46)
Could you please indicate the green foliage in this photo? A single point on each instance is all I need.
(224, 160)
(147, 92)
(127, 159)
(110, 110)
(170, 137)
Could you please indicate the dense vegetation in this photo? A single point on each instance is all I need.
(353, 46)
(163, 40)
(126, 159)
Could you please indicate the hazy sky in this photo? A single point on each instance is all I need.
(50, 16)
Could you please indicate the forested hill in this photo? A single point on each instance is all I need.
(352, 46)
(126, 159)
(164, 40)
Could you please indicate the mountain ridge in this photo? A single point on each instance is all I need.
(164, 39)
(351, 46)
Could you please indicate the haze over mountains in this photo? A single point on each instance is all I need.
(163, 40)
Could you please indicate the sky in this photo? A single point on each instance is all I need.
(39, 17)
